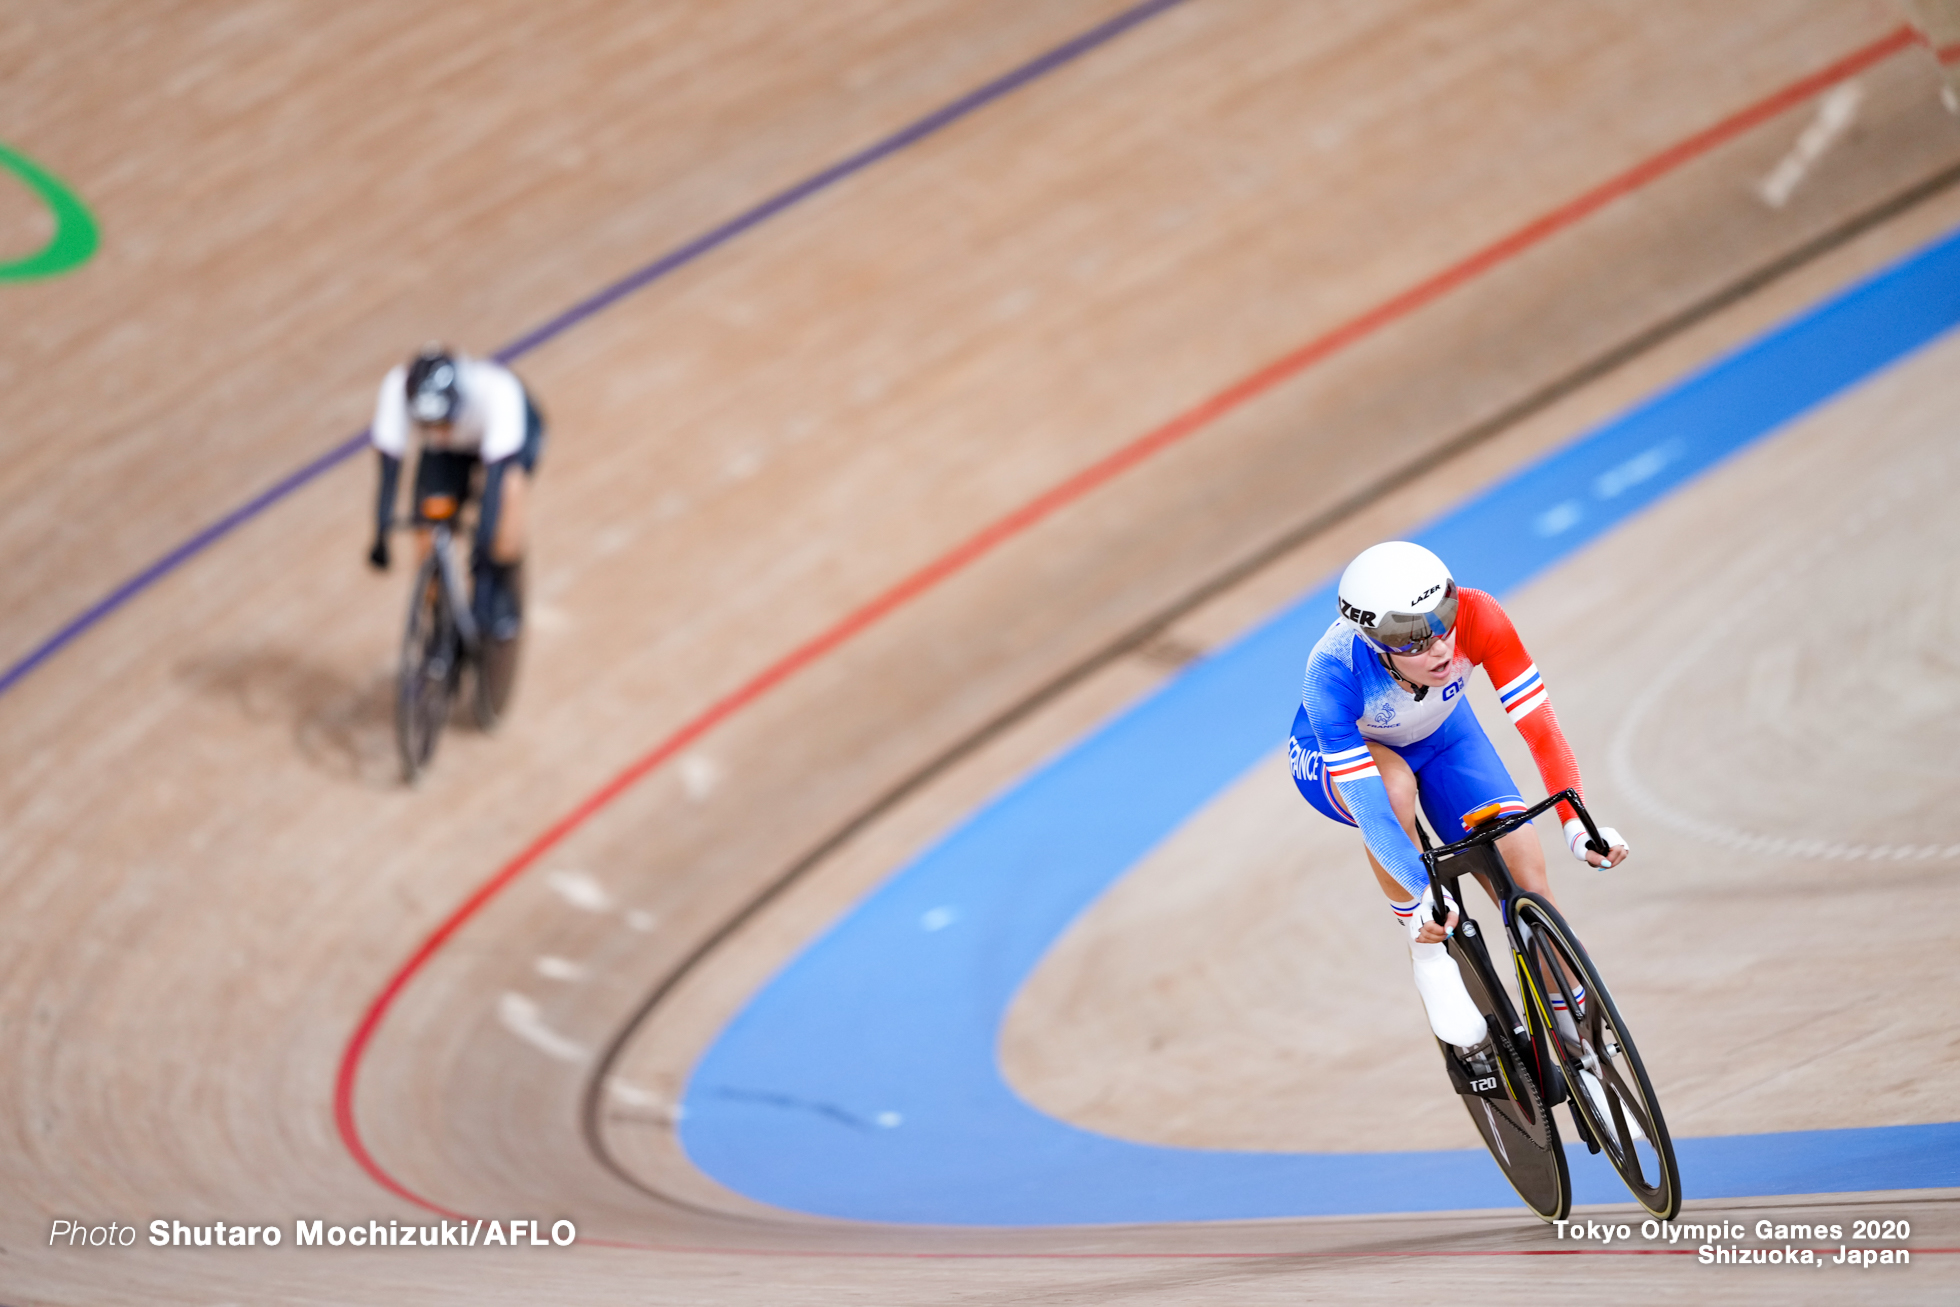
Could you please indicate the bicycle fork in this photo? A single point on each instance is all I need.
(1547, 1019)
(1544, 1029)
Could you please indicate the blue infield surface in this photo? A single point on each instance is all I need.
(862, 1081)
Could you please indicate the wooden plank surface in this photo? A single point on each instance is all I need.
(208, 869)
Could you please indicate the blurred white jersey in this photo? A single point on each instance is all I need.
(489, 416)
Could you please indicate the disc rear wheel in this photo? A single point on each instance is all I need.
(496, 668)
(1511, 1116)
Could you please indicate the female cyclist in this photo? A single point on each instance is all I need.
(1378, 730)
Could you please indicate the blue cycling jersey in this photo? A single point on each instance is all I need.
(1348, 698)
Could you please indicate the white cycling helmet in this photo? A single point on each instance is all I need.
(1399, 596)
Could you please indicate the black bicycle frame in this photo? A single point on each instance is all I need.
(450, 568)
(1477, 854)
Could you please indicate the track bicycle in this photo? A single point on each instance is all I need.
(440, 639)
(1570, 1045)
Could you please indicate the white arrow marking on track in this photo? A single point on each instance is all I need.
(521, 1017)
(580, 890)
(552, 968)
(1835, 113)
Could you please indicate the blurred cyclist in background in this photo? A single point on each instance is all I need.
(465, 413)
(1378, 729)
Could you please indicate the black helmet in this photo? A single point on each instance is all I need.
(431, 387)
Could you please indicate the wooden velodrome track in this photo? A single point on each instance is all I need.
(209, 872)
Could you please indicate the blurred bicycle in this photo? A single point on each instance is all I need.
(480, 436)
(439, 641)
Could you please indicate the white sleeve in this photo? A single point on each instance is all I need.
(390, 430)
(501, 395)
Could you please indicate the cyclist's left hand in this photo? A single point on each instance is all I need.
(1577, 841)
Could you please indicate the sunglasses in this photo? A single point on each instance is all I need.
(1413, 633)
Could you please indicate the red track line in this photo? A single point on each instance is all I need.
(1045, 505)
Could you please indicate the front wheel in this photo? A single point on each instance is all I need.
(432, 651)
(1610, 1092)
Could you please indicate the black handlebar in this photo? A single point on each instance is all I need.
(1498, 830)
(1484, 836)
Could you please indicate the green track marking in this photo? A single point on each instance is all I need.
(74, 227)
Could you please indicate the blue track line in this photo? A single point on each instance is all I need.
(862, 1082)
(911, 134)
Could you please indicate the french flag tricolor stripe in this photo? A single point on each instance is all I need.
(1346, 755)
(1523, 684)
(1333, 793)
(1531, 703)
(1354, 771)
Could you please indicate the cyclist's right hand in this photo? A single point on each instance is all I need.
(1423, 927)
(378, 556)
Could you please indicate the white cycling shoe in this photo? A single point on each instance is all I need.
(1452, 1015)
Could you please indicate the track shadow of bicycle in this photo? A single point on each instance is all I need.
(342, 723)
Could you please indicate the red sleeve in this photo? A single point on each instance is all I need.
(1486, 637)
